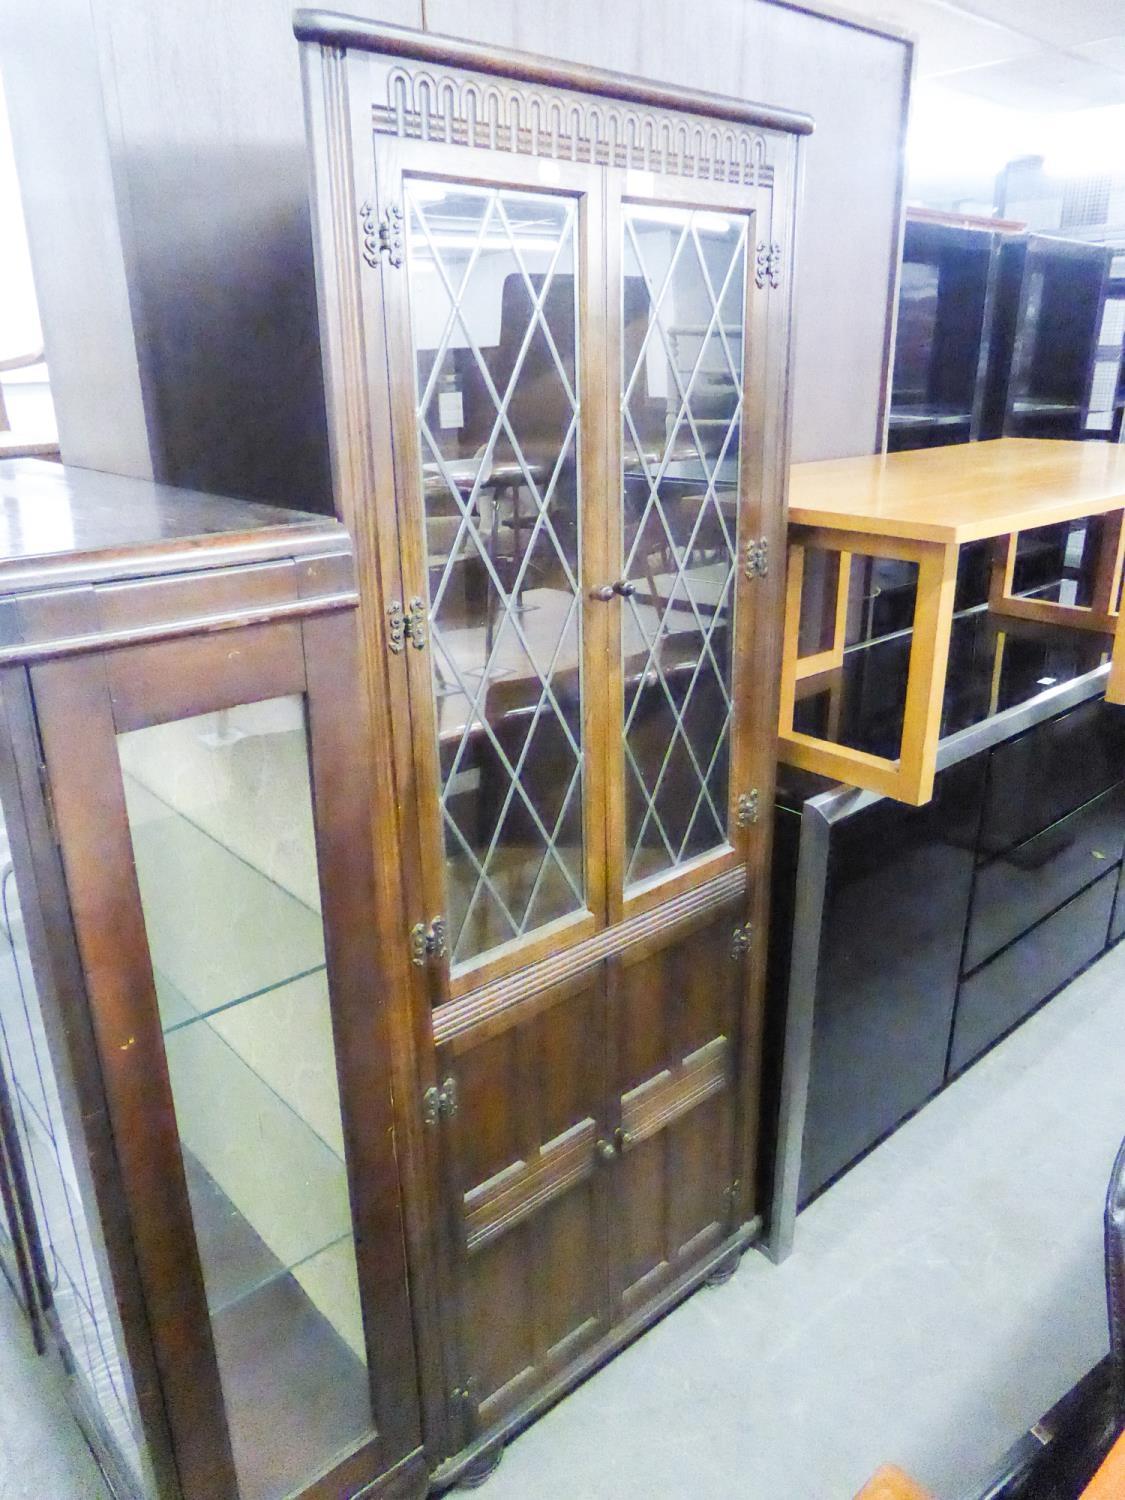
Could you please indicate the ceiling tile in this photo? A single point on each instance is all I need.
(1109, 52)
(948, 39)
(1063, 23)
(1048, 81)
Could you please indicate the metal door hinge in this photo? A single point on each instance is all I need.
(757, 563)
(396, 627)
(740, 941)
(382, 237)
(427, 942)
(748, 808)
(767, 265)
(416, 624)
(407, 624)
(439, 1102)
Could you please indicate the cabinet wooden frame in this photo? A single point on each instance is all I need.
(83, 700)
(359, 158)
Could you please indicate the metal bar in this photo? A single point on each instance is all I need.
(808, 916)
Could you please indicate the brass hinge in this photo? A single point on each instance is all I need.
(748, 808)
(396, 627)
(440, 1103)
(382, 237)
(416, 624)
(407, 624)
(427, 942)
(767, 265)
(740, 941)
(757, 564)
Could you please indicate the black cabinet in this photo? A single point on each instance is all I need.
(907, 940)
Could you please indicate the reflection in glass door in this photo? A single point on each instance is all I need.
(221, 821)
(494, 314)
(683, 297)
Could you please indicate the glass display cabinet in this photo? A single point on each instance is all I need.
(197, 1172)
(555, 306)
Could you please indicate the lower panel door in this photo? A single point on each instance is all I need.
(526, 1194)
(674, 1018)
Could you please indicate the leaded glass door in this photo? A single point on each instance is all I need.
(501, 526)
(687, 481)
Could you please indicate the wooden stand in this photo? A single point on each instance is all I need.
(922, 507)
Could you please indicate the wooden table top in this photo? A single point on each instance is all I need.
(960, 493)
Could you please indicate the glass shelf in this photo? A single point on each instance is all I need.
(220, 813)
(259, 935)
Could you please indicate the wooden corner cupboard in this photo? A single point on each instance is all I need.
(555, 306)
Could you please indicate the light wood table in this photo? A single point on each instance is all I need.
(922, 507)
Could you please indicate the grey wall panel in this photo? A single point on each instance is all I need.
(853, 82)
(165, 181)
(209, 133)
(162, 155)
(55, 103)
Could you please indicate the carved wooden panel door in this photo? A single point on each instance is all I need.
(574, 362)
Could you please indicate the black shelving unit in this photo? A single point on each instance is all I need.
(946, 295)
(1107, 389)
(1044, 338)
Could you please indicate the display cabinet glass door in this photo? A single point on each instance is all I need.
(495, 518)
(688, 473)
(285, 1358)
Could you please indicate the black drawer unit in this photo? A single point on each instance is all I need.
(1026, 883)
(905, 941)
(1035, 780)
(992, 1000)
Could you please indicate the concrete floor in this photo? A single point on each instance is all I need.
(940, 1298)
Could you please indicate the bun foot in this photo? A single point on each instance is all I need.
(481, 1468)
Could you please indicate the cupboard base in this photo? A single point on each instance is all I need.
(728, 1253)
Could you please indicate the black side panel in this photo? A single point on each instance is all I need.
(895, 911)
(1117, 926)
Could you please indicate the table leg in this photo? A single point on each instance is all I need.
(929, 661)
(1100, 614)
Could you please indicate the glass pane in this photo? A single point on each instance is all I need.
(69, 1236)
(682, 375)
(493, 286)
(221, 819)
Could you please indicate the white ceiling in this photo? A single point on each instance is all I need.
(1041, 55)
